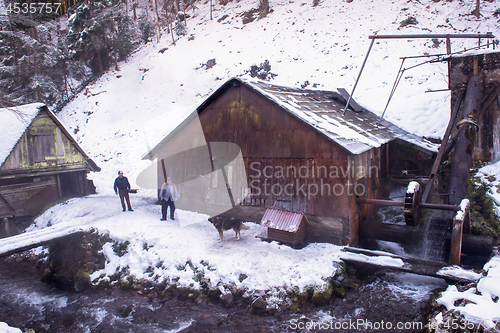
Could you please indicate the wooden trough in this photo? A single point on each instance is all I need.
(285, 226)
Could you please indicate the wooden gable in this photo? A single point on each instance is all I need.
(46, 146)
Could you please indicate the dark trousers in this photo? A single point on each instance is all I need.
(164, 206)
(124, 196)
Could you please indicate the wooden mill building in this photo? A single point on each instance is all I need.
(40, 162)
(299, 150)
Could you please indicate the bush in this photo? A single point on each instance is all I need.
(262, 72)
(409, 21)
(180, 29)
(249, 16)
(484, 220)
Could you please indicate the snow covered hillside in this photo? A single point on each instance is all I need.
(127, 112)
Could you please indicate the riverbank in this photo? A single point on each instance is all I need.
(28, 303)
(135, 255)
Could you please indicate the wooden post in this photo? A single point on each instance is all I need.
(229, 192)
(164, 171)
(6, 226)
(172, 32)
(456, 240)
(59, 189)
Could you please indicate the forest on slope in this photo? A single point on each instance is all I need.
(49, 55)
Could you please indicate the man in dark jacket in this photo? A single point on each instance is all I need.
(121, 187)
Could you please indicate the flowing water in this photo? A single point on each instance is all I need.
(25, 302)
(386, 302)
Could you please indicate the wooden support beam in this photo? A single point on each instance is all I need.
(410, 265)
(228, 186)
(415, 36)
(164, 170)
(477, 245)
(6, 227)
(10, 245)
(462, 157)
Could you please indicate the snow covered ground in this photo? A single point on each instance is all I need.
(178, 250)
(126, 112)
(483, 306)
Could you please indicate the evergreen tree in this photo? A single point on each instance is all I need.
(97, 35)
(27, 63)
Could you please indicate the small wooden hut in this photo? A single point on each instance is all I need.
(285, 226)
(40, 162)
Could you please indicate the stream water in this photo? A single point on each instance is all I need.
(25, 302)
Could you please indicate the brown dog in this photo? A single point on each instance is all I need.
(222, 224)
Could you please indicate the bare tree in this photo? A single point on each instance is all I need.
(476, 11)
(157, 23)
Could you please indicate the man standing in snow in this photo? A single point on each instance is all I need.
(168, 195)
(121, 187)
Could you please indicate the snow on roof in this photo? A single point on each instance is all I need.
(357, 132)
(282, 220)
(13, 123)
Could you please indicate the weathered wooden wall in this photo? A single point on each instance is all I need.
(15, 194)
(288, 163)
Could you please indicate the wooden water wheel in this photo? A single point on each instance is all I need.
(412, 212)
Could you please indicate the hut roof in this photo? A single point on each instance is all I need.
(282, 219)
(356, 132)
(15, 120)
(13, 123)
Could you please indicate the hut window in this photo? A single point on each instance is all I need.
(43, 144)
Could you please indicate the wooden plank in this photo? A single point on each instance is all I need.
(352, 103)
(2, 199)
(410, 265)
(30, 240)
(456, 242)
